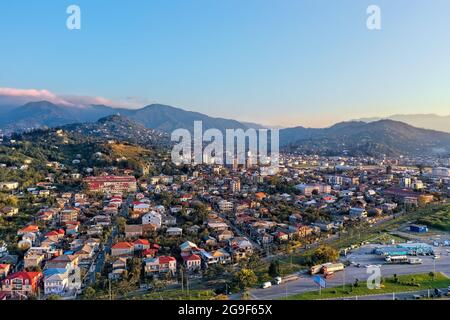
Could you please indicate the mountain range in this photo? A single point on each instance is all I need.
(156, 116)
(153, 124)
(382, 137)
(426, 121)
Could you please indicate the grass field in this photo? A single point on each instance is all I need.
(405, 283)
(359, 235)
(439, 220)
(129, 151)
(177, 295)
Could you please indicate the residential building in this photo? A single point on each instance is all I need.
(192, 262)
(158, 265)
(22, 283)
(122, 248)
(113, 184)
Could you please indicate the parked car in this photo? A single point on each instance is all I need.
(266, 285)
(438, 293)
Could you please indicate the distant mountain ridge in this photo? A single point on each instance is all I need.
(43, 114)
(392, 138)
(426, 121)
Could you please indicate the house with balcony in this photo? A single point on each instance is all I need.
(192, 262)
(21, 284)
(160, 265)
(56, 281)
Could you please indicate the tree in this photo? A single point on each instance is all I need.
(395, 278)
(121, 222)
(324, 254)
(89, 293)
(245, 278)
(274, 269)
(246, 295)
(253, 261)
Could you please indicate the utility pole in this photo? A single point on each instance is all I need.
(182, 282)
(343, 281)
(187, 285)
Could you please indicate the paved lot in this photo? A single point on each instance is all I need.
(351, 273)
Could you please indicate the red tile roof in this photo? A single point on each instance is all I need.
(31, 276)
(122, 245)
(30, 228)
(192, 257)
(142, 241)
(166, 259)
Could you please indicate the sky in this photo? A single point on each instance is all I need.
(277, 62)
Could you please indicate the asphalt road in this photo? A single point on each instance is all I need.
(305, 283)
(99, 260)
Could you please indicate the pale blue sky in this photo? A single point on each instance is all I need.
(289, 62)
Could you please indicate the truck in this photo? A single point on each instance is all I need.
(278, 280)
(397, 259)
(291, 277)
(332, 268)
(316, 269)
(414, 261)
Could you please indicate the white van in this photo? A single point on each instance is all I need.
(278, 280)
(266, 285)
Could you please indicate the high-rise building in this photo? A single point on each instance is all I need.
(235, 186)
(405, 182)
(234, 166)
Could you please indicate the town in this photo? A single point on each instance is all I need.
(216, 232)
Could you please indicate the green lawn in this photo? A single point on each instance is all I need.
(405, 283)
(177, 295)
(439, 220)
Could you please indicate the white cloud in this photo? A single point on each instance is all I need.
(15, 97)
